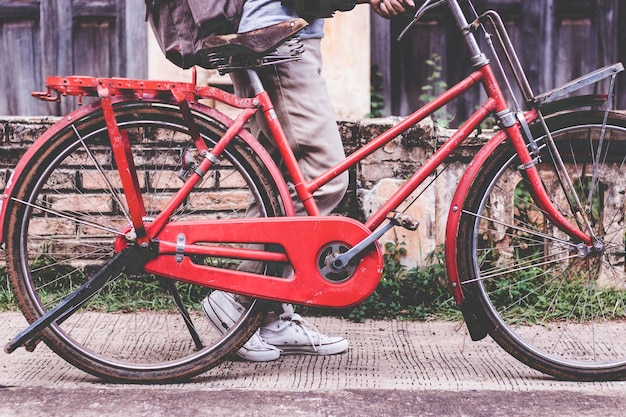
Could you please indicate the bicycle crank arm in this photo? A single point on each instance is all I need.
(129, 260)
(395, 218)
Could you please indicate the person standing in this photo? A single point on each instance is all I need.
(311, 127)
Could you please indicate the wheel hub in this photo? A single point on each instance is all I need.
(327, 267)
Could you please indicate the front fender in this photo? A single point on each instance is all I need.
(460, 195)
(456, 208)
(48, 135)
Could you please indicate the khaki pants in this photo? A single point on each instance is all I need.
(300, 97)
(301, 101)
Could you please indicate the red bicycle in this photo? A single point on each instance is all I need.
(127, 212)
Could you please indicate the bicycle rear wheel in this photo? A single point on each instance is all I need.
(68, 211)
(546, 300)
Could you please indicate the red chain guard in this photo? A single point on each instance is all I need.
(302, 239)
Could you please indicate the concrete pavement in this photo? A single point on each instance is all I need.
(392, 368)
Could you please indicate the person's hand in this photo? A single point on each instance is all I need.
(390, 8)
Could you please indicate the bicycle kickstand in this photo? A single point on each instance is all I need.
(129, 260)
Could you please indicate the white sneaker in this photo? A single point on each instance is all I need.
(223, 311)
(256, 350)
(296, 336)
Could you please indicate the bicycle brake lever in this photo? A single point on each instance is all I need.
(424, 8)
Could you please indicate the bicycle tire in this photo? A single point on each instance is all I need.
(545, 302)
(65, 217)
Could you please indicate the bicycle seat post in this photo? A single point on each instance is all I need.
(255, 82)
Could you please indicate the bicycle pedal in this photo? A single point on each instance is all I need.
(403, 220)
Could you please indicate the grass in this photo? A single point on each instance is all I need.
(405, 294)
(7, 300)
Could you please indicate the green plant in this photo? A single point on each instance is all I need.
(377, 100)
(7, 301)
(418, 293)
(536, 290)
(434, 87)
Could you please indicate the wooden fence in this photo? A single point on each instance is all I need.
(556, 40)
(59, 37)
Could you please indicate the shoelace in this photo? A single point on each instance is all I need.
(308, 328)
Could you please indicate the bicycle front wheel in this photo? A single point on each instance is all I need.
(550, 301)
(68, 211)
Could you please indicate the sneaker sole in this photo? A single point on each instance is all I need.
(331, 349)
(249, 355)
(254, 356)
(213, 317)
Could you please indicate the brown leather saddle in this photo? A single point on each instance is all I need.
(252, 49)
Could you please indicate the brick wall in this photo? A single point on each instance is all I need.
(371, 181)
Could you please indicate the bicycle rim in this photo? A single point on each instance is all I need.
(547, 300)
(68, 211)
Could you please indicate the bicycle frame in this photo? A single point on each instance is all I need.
(305, 286)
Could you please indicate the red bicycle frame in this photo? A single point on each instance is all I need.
(306, 286)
